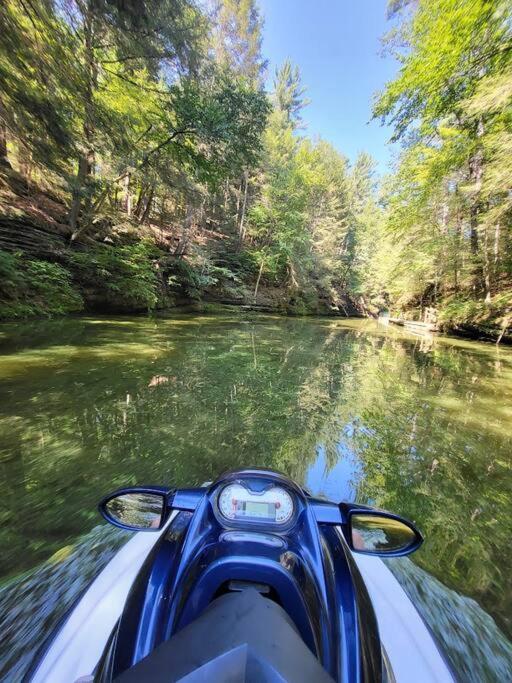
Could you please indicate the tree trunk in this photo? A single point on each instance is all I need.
(163, 202)
(91, 86)
(3, 144)
(475, 176)
(147, 207)
(487, 268)
(241, 226)
(238, 195)
(77, 197)
(186, 233)
(457, 264)
(258, 281)
(128, 195)
(504, 327)
(473, 228)
(86, 160)
(496, 249)
(3, 137)
(139, 206)
(226, 196)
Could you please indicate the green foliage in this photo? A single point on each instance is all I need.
(193, 278)
(126, 276)
(458, 310)
(449, 45)
(309, 222)
(153, 115)
(289, 92)
(238, 38)
(225, 122)
(448, 205)
(168, 125)
(241, 263)
(35, 288)
(10, 275)
(37, 78)
(461, 310)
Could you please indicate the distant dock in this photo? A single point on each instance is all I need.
(415, 325)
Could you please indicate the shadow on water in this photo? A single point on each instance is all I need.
(351, 410)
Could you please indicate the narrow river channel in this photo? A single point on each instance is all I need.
(352, 410)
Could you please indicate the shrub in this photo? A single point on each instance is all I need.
(124, 275)
(458, 310)
(35, 287)
(194, 278)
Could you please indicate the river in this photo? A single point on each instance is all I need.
(353, 410)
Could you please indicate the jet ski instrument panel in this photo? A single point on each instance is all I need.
(238, 504)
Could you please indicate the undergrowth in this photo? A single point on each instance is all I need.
(458, 310)
(126, 276)
(35, 288)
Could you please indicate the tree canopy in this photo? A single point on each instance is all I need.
(448, 203)
(151, 119)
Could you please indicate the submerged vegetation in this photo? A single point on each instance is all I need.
(140, 137)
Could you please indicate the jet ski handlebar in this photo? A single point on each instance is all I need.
(262, 501)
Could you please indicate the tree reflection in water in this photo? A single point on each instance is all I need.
(348, 408)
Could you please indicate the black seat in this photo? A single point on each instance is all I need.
(239, 637)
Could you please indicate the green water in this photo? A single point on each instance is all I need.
(421, 427)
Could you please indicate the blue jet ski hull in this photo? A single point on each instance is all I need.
(341, 608)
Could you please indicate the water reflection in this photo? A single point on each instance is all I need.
(136, 510)
(33, 604)
(380, 534)
(352, 410)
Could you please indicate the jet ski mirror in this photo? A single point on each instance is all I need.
(136, 509)
(383, 534)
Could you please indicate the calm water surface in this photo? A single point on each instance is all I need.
(352, 410)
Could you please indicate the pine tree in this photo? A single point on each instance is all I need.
(289, 92)
(238, 39)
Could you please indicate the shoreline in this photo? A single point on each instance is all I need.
(466, 331)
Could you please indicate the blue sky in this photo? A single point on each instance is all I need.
(336, 45)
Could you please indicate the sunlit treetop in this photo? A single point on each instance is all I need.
(445, 47)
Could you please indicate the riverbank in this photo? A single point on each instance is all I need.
(486, 330)
(139, 278)
(121, 266)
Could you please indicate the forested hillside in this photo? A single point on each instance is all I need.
(448, 204)
(144, 164)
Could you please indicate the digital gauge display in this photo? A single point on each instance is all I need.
(265, 510)
(237, 503)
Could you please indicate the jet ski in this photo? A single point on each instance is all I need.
(249, 578)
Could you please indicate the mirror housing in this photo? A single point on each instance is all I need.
(380, 533)
(137, 508)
